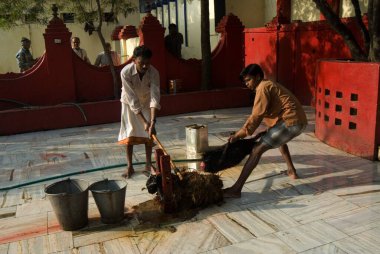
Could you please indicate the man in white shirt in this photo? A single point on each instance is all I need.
(75, 42)
(102, 59)
(140, 98)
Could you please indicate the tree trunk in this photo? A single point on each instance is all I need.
(335, 22)
(205, 45)
(363, 28)
(115, 78)
(374, 29)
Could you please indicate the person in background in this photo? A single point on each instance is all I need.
(75, 43)
(280, 110)
(24, 58)
(174, 41)
(102, 59)
(140, 100)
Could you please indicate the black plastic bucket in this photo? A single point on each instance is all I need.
(69, 199)
(109, 197)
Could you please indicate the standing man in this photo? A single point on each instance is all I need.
(75, 42)
(140, 98)
(174, 41)
(102, 59)
(24, 58)
(281, 112)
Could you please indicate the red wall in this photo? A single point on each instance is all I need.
(60, 84)
(347, 107)
(289, 53)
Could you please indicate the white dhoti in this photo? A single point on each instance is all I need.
(132, 128)
(138, 95)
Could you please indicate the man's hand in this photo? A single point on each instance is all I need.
(146, 126)
(151, 129)
(233, 138)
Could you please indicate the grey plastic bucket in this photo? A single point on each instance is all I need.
(69, 199)
(109, 197)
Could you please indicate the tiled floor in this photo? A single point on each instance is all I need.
(333, 208)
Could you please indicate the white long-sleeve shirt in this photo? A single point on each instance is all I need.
(138, 93)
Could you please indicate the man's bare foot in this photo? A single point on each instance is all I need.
(128, 173)
(149, 170)
(291, 173)
(230, 193)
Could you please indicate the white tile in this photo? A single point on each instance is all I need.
(211, 252)
(249, 197)
(61, 241)
(13, 229)
(34, 207)
(35, 192)
(230, 229)
(18, 247)
(100, 234)
(375, 207)
(13, 197)
(274, 217)
(90, 249)
(213, 210)
(309, 236)
(313, 208)
(355, 221)
(364, 200)
(190, 238)
(251, 222)
(73, 251)
(4, 248)
(7, 212)
(147, 242)
(356, 190)
(121, 245)
(370, 239)
(137, 199)
(352, 245)
(36, 245)
(325, 249)
(39, 245)
(262, 245)
(293, 188)
(270, 202)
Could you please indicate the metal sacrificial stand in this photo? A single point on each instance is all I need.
(164, 168)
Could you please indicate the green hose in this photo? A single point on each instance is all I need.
(82, 172)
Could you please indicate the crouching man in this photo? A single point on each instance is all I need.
(281, 112)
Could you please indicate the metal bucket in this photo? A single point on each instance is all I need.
(196, 138)
(175, 85)
(109, 197)
(69, 199)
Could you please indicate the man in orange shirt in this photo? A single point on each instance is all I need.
(281, 112)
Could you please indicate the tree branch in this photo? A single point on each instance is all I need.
(205, 45)
(112, 5)
(335, 22)
(107, 52)
(373, 25)
(363, 28)
(100, 15)
(82, 9)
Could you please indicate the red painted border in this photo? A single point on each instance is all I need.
(65, 116)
